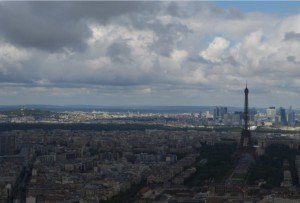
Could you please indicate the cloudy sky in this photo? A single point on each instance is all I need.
(150, 53)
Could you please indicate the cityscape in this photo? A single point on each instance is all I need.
(268, 118)
(97, 156)
(149, 102)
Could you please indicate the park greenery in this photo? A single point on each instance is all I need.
(219, 163)
(269, 167)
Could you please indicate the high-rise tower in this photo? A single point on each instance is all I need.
(245, 141)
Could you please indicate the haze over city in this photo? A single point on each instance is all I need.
(149, 53)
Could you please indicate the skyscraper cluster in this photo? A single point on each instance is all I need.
(219, 112)
(281, 117)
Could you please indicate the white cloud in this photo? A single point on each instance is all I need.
(11, 56)
(179, 55)
(98, 64)
(215, 49)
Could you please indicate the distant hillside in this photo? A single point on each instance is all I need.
(28, 112)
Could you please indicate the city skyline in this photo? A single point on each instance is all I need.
(149, 53)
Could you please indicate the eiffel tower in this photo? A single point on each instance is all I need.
(245, 142)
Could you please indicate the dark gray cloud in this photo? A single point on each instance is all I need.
(119, 51)
(166, 36)
(291, 58)
(232, 61)
(163, 45)
(194, 8)
(234, 13)
(173, 8)
(51, 26)
(292, 36)
(21, 26)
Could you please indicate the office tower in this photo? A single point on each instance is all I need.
(245, 141)
(291, 117)
(239, 116)
(252, 113)
(200, 115)
(219, 112)
(216, 113)
(223, 111)
(277, 120)
(7, 145)
(282, 114)
(271, 113)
